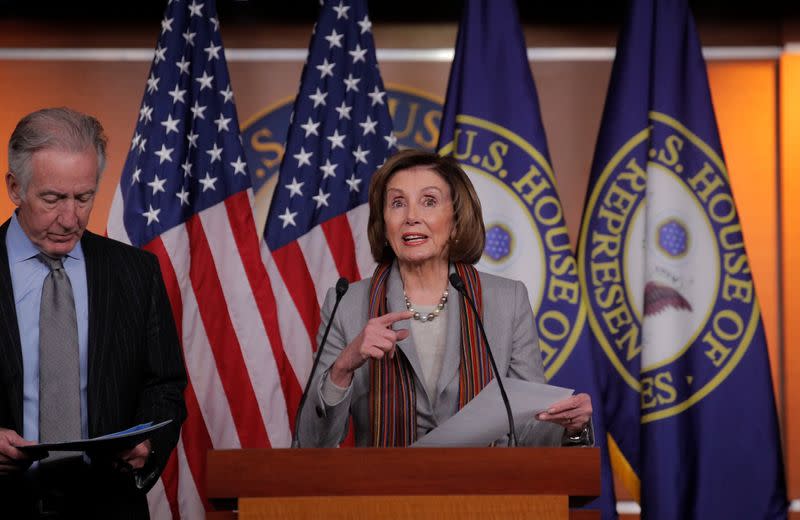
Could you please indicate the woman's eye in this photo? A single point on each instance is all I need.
(429, 201)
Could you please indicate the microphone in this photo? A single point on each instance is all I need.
(458, 284)
(341, 287)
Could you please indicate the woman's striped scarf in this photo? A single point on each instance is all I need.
(393, 410)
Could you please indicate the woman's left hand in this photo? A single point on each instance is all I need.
(572, 413)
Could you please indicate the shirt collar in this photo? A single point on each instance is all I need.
(20, 247)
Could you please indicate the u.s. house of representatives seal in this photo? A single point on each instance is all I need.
(662, 260)
(526, 234)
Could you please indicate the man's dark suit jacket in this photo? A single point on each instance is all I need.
(136, 370)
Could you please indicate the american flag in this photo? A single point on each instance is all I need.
(185, 195)
(340, 133)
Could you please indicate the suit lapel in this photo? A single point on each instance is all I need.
(10, 346)
(97, 283)
(452, 349)
(452, 352)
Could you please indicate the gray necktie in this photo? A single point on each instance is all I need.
(59, 365)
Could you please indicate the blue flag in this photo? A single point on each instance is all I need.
(491, 124)
(682, 359)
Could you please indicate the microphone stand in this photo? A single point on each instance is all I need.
(458, 283)
(341, 287)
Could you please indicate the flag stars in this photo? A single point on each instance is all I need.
(166, 25)
(326, 68)
(135, 141)
(239, 166)
(208, 183)
(151, 214)
(353, 183)
(160, 54)
(186, 166)
(334, 39)
(391, 140)
(351, 83)
(177, 95)
(365, 24)
(344, 110)
(328, 169)
(195, 9)
(191, 137)
(183, 65)
(318, 98)
(360, 155)
(157, 184)
(152, 83)
(183, 195)
(215, 153)
(189, 37)
(368, 125)
(222, 123)
(136, 177)
(141, 144)
(170, 124)
(303, 157)
(310, 127)
(227, 94)
(165, 154)
(288, 218)
(146, 113)
(337, 141)
(358, 54)
(321, 198)
(215, 23)
(198, 111)
(295, 188)
(205, 82)
(376, 96)
(341, 10)
(212, 51)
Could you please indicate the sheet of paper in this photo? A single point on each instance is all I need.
(483, 420)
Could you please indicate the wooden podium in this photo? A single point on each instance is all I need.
(348, 483)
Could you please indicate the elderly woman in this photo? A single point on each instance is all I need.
(404, 352)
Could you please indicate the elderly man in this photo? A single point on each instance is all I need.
(88, 345)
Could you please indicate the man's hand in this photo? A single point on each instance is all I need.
(11, 459)
(134, 458)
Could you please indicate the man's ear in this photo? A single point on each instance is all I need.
(14, 189)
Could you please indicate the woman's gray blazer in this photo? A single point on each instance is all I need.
(511, 330)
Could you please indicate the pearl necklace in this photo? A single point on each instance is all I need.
(427, 317)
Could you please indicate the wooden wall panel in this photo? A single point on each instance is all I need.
(790, 227)
(111, 91)
(745, 97)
